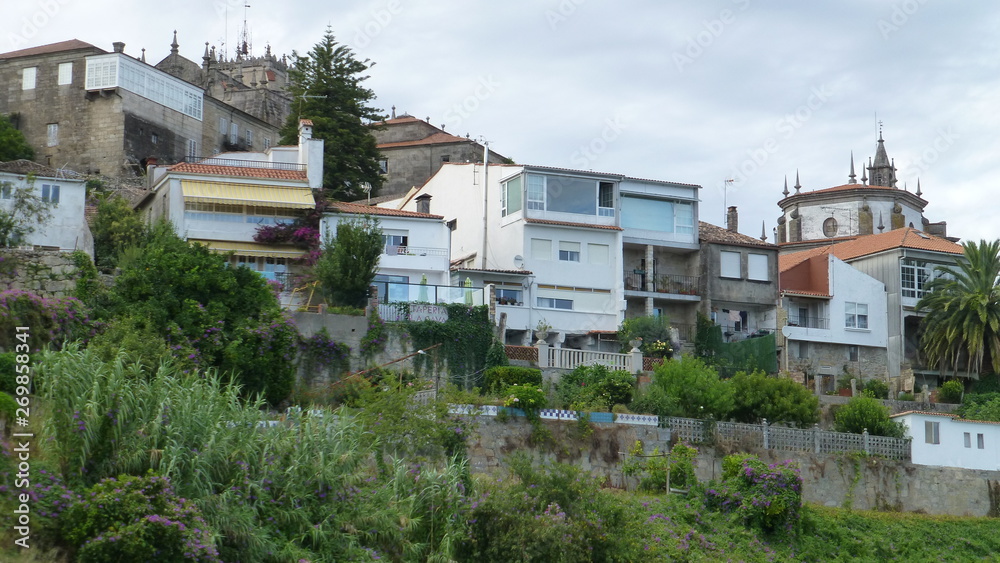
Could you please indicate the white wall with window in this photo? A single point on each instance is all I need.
(757, 267)
(856, 315)
(730, 264)
(569, 251)
(560, 197)
(945, 440)
(67, 227)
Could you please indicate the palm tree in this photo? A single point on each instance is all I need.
(963, 310)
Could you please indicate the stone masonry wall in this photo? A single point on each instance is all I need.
(831, 480)
(46, 273)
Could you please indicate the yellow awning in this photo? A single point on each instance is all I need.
(251, 248)
(247, 194)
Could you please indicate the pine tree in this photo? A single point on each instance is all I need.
(326, 86)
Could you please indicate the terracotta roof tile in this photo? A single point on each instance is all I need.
(899, 238)
(713, 233)
(69, 45)
(435, 139)
(805, 292)
(30, 167)
(569, 224)
(238, 171)
(456, 267)
(361, 209)
(786, 261)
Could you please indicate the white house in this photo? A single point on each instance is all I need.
(416, 246)
(221, 201)
(836, 316)
(548, 239)
(66, 197)
(945, 440)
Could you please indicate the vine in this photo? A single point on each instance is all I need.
(465, 339)
(319, 351)
(373, 342)
(855, 459)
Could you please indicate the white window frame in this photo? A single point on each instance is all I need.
(65, 74)
(932, 432)
(854, 318)
(569, 251)
(50, 193)
(535, 200)
(249, 137)
(192, 148)
(755, 269)
(554, 303)
(727, 267)
(52, 135)
(234, 133)
(606, 211)
(29, 77)
(537, 245)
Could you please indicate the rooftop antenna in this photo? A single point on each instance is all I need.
(244, 47)
(367, 188)
(305, 96)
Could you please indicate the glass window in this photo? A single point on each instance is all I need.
(570, 195)
(65, 73)
(852, 353)
(536, 192)
(392, 242)
(234, 133)
(553, 303)
(28, 78)
(511, 197)
(5, 190)
(968, 440)
(980, 442)
(392, 288)
(569, 251)
(856, 315)
(508, 296)
(757, 267)
(52, 135)
(606, 199)
(684, 218)
(932, 432)
(50, 193)
(729, 264)
(249, 138)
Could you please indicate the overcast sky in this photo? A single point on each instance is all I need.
(693, 92)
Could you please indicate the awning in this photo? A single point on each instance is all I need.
(247, 194)
(251, 248)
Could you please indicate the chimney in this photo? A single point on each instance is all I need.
(150, 171)
(119, 46)
(732, 219)
(311, 154)
(424, 203)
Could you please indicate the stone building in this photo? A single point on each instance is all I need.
(96, 112)
(413, 150)
(838, 213)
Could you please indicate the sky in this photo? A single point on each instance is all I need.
(691, 92)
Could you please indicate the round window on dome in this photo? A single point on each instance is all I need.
(830, 227)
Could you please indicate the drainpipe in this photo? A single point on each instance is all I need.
(486, 195)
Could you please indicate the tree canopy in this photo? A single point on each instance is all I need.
(326, 87)
(13, 145)
(349, 261)
(963, 311)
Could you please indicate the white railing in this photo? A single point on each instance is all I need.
(392, 250)
(567, 358)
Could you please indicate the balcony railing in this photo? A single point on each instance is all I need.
(216, 161)
(662, 283)
(392, 250)
(810, 322)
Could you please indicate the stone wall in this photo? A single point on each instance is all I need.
(831, 480)
(47, 273)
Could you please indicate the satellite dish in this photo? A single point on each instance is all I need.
(519, 262)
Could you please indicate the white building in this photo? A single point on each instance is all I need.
(837, 317)
(66, 197)
(221, 201)
(945, 440)
(416, 247)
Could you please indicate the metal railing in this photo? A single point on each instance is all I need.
(392, 250)
(217, 161)
(809, 322)
(662, 283)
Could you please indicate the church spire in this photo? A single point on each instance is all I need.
(785, 193)
(174, 46)
(763, 232)
(882, 171)
(852, 177)
(919, 193)
(797, 185)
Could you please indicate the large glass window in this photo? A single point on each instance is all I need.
(932, 432)
(570, 195)
(511, 196)
(914, 277)
(536, 192)
(606, 199)
(553, 303)
(508, 296)
(856, 315)
(658, 215)
(28, 78)
(65, 73)
(50, 193)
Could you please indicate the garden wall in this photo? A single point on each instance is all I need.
(46, 273)
(828, 479)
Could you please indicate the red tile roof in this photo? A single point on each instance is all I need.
(568, 224)
(786, 261)
(435, 139)
(899, 238)
(240, 171)
(360, 209)
(805, 292)
(713, 233)
(456, 267)
(69, 45)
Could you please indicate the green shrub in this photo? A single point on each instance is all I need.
(877, 388)
(981, 406)
(7, 365)
(528, 398)
(867, 413)
(951, 392)
(652, 469)
(496, 356)
(651, 330)
(766, 497)
(777, 399)
(497, 379)
(8, 407)
(653, 399)
(697, 388)
(595, 387)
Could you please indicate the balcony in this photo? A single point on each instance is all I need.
(392, 250)
(810, 322)
(240, 163)
(664, 283)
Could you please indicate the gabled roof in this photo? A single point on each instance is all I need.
(715, 234)
(29, 167)
(435, 139)
(69, 45)
(238, 171)
(786, 261)
(898, 238)
(360, 209)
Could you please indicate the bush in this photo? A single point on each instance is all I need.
(595, 387)
(528, 398)
(8, 407)
(7, 365)
(766, 497)
(981, 406)
(777, 399)
(654, 400)
(877, 388)
(497, 379)
(651, 330)
(652, 469)
(951, 392)
(867, 413)
(697, 388)
(496, 356)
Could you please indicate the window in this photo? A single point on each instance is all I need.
(65, 73)
(932, 432)
(980, 442)
(598, 254)
(5, 190)
(606, 199)
(28, 78)
(729, 266)
(852, 353)
(50, 193)
(968, 440)
(393, 240)
(192, 147)
(757, 267)
(914, 277)
(267, 143)
(553, 303)
(155, 139)
(234, 133)
(536, 192)
(659, 215)
(856, 315)
(510, 197)
(445, 158)
(508, 296)
(392, 288)
(569, 251)
(249, 138)
(541, 249)
(223, 125)
(803, 349)
(383, 166)
(830, 227)
(52, 135)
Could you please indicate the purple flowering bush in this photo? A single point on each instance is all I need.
(765, 497)
(52, 320)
